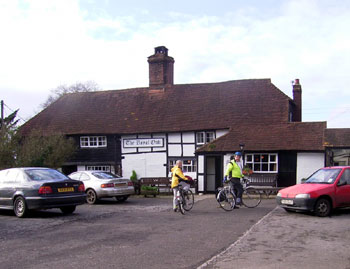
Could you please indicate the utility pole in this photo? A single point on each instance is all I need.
(2, 113)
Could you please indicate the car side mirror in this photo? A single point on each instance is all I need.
(341, 183)
(303, 180)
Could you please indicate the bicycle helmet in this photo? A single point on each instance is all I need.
(238, 153)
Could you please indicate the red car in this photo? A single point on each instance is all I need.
(324, 190)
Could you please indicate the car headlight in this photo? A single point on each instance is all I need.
(302, 196)
(279, 194)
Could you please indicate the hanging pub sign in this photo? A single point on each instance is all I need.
(143, 142)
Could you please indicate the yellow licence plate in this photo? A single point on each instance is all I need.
(120, 184)
(65, 189)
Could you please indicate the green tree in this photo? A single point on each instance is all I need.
(45, 151)
(8, 140)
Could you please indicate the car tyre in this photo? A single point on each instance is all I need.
(20, 207)
(68, 209)
(121, 198)
(323, 207)
(91, 197)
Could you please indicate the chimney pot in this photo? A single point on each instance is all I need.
(161, 68)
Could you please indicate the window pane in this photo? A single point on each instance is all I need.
(256, 167)
(249, 157)
(200, 138)
(265, 158)
(264, 167)
(209, 136)
(93, 141)
(273, 167)
(272, 158)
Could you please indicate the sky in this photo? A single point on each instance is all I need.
(48, 43)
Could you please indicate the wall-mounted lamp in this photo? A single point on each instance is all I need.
(241, 146)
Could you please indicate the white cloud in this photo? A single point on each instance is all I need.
(48, 43)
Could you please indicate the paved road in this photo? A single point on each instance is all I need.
(290, 240)
(141, 233)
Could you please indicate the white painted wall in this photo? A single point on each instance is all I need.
(175, 149)
(200, 164)
(145, 164)
(188, 137)
(188, 150)
(221, 132)
(201, 183)
(174, 137)
(307, 163)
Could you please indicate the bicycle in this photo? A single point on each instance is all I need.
(251, 197)
(185, 199)
(226, 197)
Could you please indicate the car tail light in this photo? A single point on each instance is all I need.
(81, 188)
(108, 185)
(130, 183)
(45, 190)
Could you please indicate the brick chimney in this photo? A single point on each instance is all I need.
(161, 68)
(297, 100)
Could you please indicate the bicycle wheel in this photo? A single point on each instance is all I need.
(188, 200)
(251, 197)
(181, 207)
(226, 200)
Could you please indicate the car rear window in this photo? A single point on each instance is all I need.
(104, 175)
(44, 174)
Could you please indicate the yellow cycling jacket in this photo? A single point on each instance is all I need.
(234, 169)
(176, 173)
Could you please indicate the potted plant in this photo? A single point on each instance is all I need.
(149, 190)
(247, 171)
(135, 181)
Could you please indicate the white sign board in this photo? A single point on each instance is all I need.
(143, 142)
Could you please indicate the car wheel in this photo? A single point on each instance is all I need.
(322, 207)
(20, 207)
(68, 209)
(91, 197)
(121, 198)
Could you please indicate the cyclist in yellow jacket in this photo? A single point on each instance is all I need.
(177, 175)
(234, 174)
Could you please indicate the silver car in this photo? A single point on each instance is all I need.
(99, 184)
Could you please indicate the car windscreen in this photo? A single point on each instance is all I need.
(44, 174)
(324, 176)
(105, 175)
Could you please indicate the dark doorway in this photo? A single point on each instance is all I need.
(68, 169)
(213, 173)
(287, 167)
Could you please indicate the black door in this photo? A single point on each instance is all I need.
(287, 168)
(213, 173)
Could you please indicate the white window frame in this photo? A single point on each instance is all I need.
(188, 165)
(93, 141)
(104, 168)
(252, 164)
(204, 137)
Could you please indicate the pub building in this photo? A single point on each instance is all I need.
(147, 129)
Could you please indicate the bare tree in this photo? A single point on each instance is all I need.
(88, 86)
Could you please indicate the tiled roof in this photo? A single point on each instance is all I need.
(337, 137)
(306, 136)
(184, 107)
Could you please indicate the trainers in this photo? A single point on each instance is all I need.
(175, 209)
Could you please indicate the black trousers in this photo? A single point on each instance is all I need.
(237, 186)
